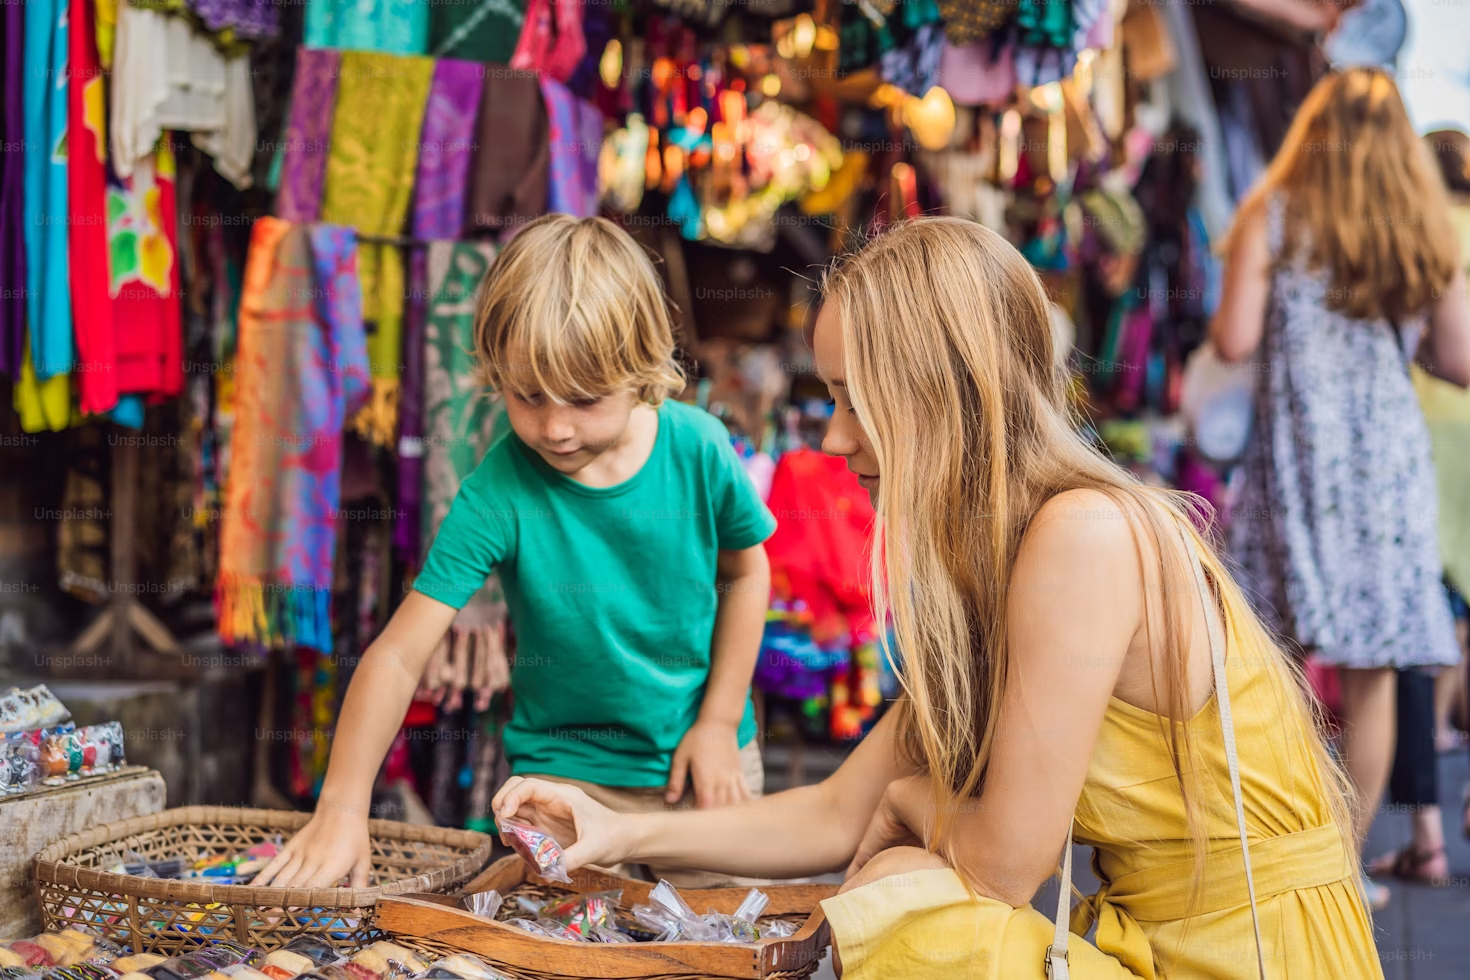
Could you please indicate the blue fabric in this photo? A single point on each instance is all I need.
(129, 411)
(391, 26)
(48, 298)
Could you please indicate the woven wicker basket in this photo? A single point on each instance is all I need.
(166, 916)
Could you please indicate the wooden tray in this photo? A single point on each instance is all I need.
(440, 922)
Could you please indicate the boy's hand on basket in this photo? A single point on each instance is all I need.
(333, 845)
(588, 832)
(709, 753)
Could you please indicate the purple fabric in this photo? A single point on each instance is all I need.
(590, 127)
(408, 521)
(446, 148)
(12, 197)
(250, 19)
(308, 135)
(598, 27)
(564, 195)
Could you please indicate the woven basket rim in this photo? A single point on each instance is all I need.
(51, 866)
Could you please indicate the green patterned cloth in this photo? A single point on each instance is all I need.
(459, 413)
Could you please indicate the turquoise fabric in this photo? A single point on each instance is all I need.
(390, 26)
(611, 592)
(48, 293)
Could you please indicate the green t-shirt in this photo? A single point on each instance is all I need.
(611, 592)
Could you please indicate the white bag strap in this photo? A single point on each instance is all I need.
(1056, 953)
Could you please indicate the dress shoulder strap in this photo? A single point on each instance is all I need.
(1056, 953)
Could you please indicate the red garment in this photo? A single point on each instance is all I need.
(551, 41)
(86, 182)
(820, 551)
(146, 308)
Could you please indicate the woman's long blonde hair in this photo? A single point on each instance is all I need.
(948, 362)
(1364, 200)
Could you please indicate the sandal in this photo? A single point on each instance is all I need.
(1410, 864)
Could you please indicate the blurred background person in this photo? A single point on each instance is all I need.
(1341, 268)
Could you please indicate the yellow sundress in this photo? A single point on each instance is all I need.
(925, 926)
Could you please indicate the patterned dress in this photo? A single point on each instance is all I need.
(1335, 529)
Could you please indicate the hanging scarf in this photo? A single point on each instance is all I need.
(551, 41)
(12, 193)
(388, 26)
(508, 186)
(308, 135)
(571, 146)
(143, 240)
(87, 186)
(48, 298)
(300, 368)
(459, 417)
(237, 20)
(447, 149)
(370, 173)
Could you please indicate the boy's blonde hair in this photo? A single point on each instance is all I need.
(580, 305)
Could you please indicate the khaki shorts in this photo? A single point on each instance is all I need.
(650, 799)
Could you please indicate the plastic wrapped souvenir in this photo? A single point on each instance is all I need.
(181, 966)
(243, 971)
(536, 848)
(48, 707)
(18, 973)
(585, 914)
(740, 927)
(225, 953)
(31, 953)
(9, 959)
(554, 929)
(53, 760)
(12, 712)
(20, 765)
(684, 925)
(282, 964)
(318, 950)
(114, 730)
(136, 963)
(80, 971)
(469, 967)
(484, 904)
(398, 959)
(777, 929)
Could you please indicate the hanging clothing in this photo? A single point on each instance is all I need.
(1336, 526)
(42, 404)
(512, 167)
(388, 26)
(484, 31)
(308, 135)
(168, 75)
(12, 191)
(410, 469)
(241, 20)
(301, 367)
(48, 296)
(447, 148)
(570, 146)
(370, 172)
(551, 41)
(459, 414)
(143, 242)
(87, 188)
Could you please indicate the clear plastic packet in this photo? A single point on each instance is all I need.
(777, 929)
(20, 765)
(18, 973)
(283, 964)
(530, 906)
(536, 848)
(557, 930)
(525, 925)
(136, 962)
(390, 960)
(467, 966)
(244, 971)
(184, 966)
(740, 927)
(687, 926)
(582, 912)
(484, 904)
(314, 948)
(656, 921)
(608, 934)
(80, 971)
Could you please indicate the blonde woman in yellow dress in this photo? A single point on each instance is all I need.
(1052, 614)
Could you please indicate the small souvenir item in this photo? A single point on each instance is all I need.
(484, 904)
(74, 754)
(53, 760)
(399, 960)
(115, 738)
(292, 963)
(319, 951)
(48, 706)
(183, 966)
(136, 963)
(536, 848)
(12, 712)
(89, 751)
(10, 959)
(278, 972)
(243, 971)
(31, 953)
(468, 966)
(360, 971)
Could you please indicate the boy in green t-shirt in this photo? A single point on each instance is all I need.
(628, 539)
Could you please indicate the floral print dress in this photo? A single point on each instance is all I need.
(1335, 528)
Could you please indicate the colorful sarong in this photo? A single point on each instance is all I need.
(12, 193)
(388, 26)
(370, 174)
(308, 135)
(301, 367)
(143, 241)
(48, 300)
(91, 291)
(459, 415)
(446, 149)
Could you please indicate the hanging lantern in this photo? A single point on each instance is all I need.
(1010, 148)
(803, 35)
(931, 119)
(610, 67)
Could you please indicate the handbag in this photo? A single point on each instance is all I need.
(1056, 953)
(1217, 398)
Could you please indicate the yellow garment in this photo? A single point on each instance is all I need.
(923, 926)
(41, 405)
(1447, 414)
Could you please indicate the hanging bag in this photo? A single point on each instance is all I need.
(1217, 398)
(1056, 954)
